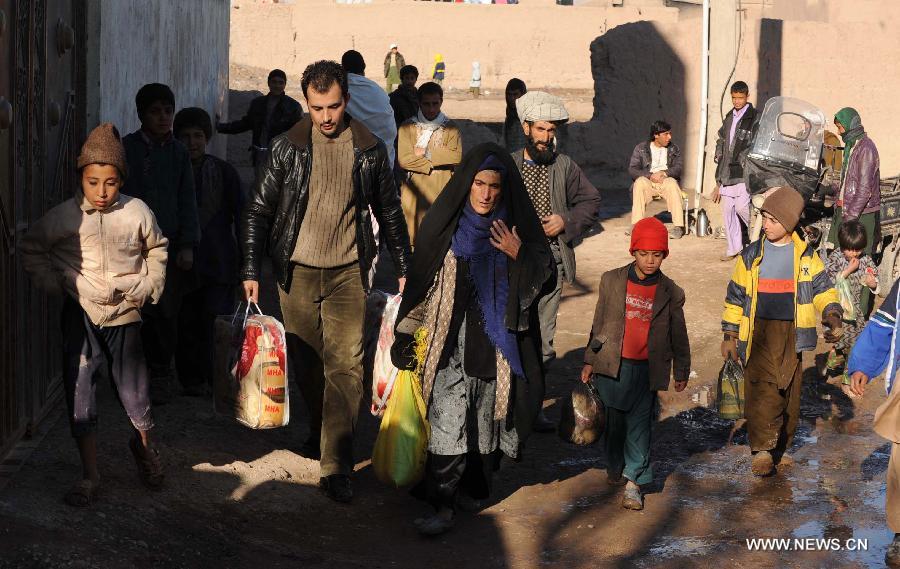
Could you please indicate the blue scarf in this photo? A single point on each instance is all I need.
(488, 271)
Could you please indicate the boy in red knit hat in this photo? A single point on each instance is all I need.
(637, 339)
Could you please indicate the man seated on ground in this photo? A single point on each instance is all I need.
(405, 99)
(656, 166)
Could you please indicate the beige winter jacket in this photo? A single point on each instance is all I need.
(110, 261)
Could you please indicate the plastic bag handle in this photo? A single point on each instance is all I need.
(246, 312)
(593, 390)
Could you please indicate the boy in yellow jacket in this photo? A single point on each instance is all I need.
(778, 285)
(104, 252)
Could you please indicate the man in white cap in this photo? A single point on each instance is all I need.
(565, 201)
(393, 63)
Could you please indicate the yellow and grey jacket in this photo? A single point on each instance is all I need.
(814, 292)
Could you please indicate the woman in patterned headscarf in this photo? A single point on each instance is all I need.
(480, 261)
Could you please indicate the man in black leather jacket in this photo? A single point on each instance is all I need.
(310, 211)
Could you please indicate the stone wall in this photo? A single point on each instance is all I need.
(642, 63)
(543, 44)
(134, 42)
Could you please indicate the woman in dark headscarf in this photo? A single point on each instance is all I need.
(859, 197)
(468, 324)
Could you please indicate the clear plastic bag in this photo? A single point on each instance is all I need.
(582, 416)
(384, 374)
(251, 382)
(842, 286)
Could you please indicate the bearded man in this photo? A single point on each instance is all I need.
(566, 203)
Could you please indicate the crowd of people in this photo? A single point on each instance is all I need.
(160, 236)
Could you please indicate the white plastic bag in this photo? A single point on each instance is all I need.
(383, 371)
(251, 382)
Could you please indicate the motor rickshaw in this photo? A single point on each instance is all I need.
(791, 146)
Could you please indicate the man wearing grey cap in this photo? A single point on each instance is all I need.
(565, 201)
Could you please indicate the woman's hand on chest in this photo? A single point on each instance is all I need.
(505, 240)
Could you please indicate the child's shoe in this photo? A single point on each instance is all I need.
(763, 464)
(632, 499)
(148, 463)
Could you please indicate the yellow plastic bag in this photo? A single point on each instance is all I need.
(399, 454)
(730, 397)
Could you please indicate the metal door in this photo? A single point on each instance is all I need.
(41, 44)
(10, 395)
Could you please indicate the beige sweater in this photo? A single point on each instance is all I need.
(327, 237)
(110, 261)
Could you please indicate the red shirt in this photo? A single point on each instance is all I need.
(638, 313)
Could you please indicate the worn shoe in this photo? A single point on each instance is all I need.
(892, 555)
(763, 464)
(542, 424)
(632, 499)
(676, 232)
(784, 460)
(337, 487)
(149, 465)
(433, 525)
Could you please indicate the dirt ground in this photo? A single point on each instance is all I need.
(241, 498)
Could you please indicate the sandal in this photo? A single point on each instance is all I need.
(149, 465)
(82, 493)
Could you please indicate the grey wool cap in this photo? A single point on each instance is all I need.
(103, 146)
(541, 106)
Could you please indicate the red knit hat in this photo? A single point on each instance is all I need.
(649, 234)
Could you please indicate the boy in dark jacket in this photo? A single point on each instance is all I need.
(731, 189)
(268, 116)
(638, 339)
(160, 174)
(213, 279)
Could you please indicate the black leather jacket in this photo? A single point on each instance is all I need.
(273, 216)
